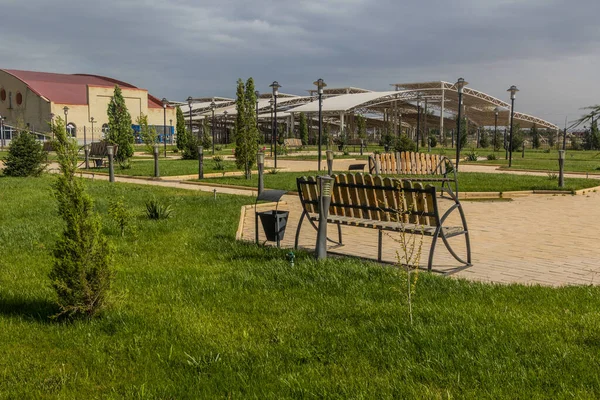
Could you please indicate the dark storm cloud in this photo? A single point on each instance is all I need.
(178, 48)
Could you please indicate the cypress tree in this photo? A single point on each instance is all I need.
(182, 134)
(303, 128)
(361, 126)
(535, 137)
(25, 157)
(120, 130)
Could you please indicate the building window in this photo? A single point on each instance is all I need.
(19, 98)
(2, 94)
(71, 130)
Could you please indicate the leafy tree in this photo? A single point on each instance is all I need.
(535, 137)
(81, 273)
(182, 133)
(303, 128)
(361, 126)
(517, 140)
(25, 157)
(147, 134)
(120, 130)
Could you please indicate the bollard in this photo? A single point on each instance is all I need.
(86, 150)
(200, 162)
(156, 171)
(110, 150)
(561, 166)
(260, 161)
(215, 193)
(324, 184)
(329, 162)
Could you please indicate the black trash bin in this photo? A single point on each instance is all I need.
(274, 223)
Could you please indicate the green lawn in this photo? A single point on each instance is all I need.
(468, 182)
(170, 167)
(198, 315)
(576, 161)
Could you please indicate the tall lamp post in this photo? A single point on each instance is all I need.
(271, 108)
(320, 84)
(224, 132)
(513, 93)
(92, 120)
(165, 102)
(256, 94)
(190, 100)
(460, 84)
(66, 111)
(496, 112)
(418, 120)
(275, 86)
(212, 126)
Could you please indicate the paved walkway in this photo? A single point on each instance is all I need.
(548, 240)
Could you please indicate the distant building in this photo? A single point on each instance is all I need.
(36, 97)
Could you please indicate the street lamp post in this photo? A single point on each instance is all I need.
(256, 94)
(92, 120)
(460, 84)
(275, 86)
(320, 84)
(224, 131)
(212, 126)
(271, 108)
(66, 111)
(165, 102)
(496, 112)
(418, 120)
(513, 93)
(190, 100)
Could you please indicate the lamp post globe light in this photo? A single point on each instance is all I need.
(418, 120)
(92, 120)
(190, 100)
(275, 86)
(513, 93)
(66, 111)
(460, 84)
(320, 84)
(165, 102)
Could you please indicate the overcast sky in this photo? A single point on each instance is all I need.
(550, 49)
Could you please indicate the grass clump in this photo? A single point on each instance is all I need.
(157, 210)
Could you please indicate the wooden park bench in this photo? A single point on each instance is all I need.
(435, 166)
(385, 204)
(356, 143)
(99, 151)
(292, 143)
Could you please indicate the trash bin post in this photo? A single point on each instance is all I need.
(260, 161)
(329, 162)
(561, 168)
(156, 171)
(200, 162)
(324, 184)
(110, 151)
(86, 150)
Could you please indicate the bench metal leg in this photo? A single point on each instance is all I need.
(432, 249)
(379, 245)
(298, 230)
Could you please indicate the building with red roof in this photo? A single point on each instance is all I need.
(36, 97)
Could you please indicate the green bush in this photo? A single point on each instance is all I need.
(433, 141)
(190, 148)
(25, 156)
(81, 273)
(472, 156)
(403, 143)
(120, 214)
(218, 160)
(492, 157)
